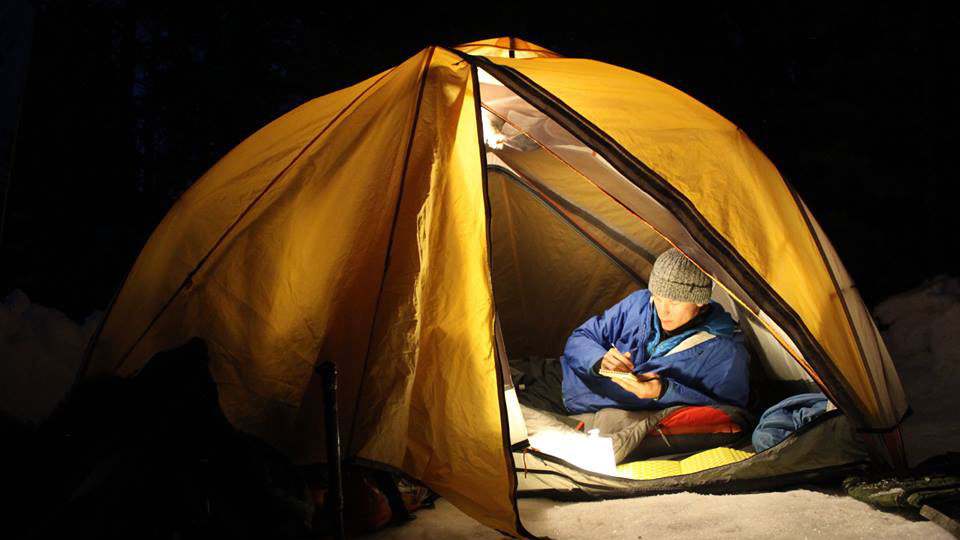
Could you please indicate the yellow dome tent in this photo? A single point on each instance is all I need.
(393, 226)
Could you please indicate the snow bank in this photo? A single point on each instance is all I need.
(40, 351)
(923, 336)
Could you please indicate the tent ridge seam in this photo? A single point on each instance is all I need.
(545, 52)
(386, 259)
(583, 214)
(554, 209)
(497, 360)
(804, 211)
(188, 280)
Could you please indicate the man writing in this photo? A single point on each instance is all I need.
(664, 346)
(678, 345)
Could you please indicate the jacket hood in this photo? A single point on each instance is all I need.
(719, 322)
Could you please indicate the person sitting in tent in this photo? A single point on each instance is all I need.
(678, 345)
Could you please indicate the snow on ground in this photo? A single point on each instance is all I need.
(41, 344)
(685, 516)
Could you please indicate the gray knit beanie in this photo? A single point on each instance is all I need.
(675, 277)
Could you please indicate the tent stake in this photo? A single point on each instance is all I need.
(328, 375)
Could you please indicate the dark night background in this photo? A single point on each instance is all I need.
(110, 109)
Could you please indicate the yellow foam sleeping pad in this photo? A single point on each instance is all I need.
(708, 459)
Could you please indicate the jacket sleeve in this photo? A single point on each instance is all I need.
(725, 378)
(591, 340)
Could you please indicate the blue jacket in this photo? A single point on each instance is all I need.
(712, 372)
(785, 417)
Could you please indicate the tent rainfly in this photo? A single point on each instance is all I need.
(396, 226)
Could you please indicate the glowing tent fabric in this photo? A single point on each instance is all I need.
(356, 229)
(302, 273)
(736, 189)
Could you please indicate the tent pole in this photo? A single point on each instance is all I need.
(328, 374)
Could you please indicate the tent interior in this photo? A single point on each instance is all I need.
(565, 246)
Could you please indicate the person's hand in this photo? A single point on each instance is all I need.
(646, 386)
(614, 360)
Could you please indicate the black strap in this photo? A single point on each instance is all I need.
(906, 415)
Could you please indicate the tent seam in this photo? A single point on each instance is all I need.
(513, 245)
(646, 255)
(898, 454)
(546, 52)
(188, 281)
(497, 360)
(586, 236)
(836, 285)
(386, 259)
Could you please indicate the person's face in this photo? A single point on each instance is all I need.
(674, 314)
